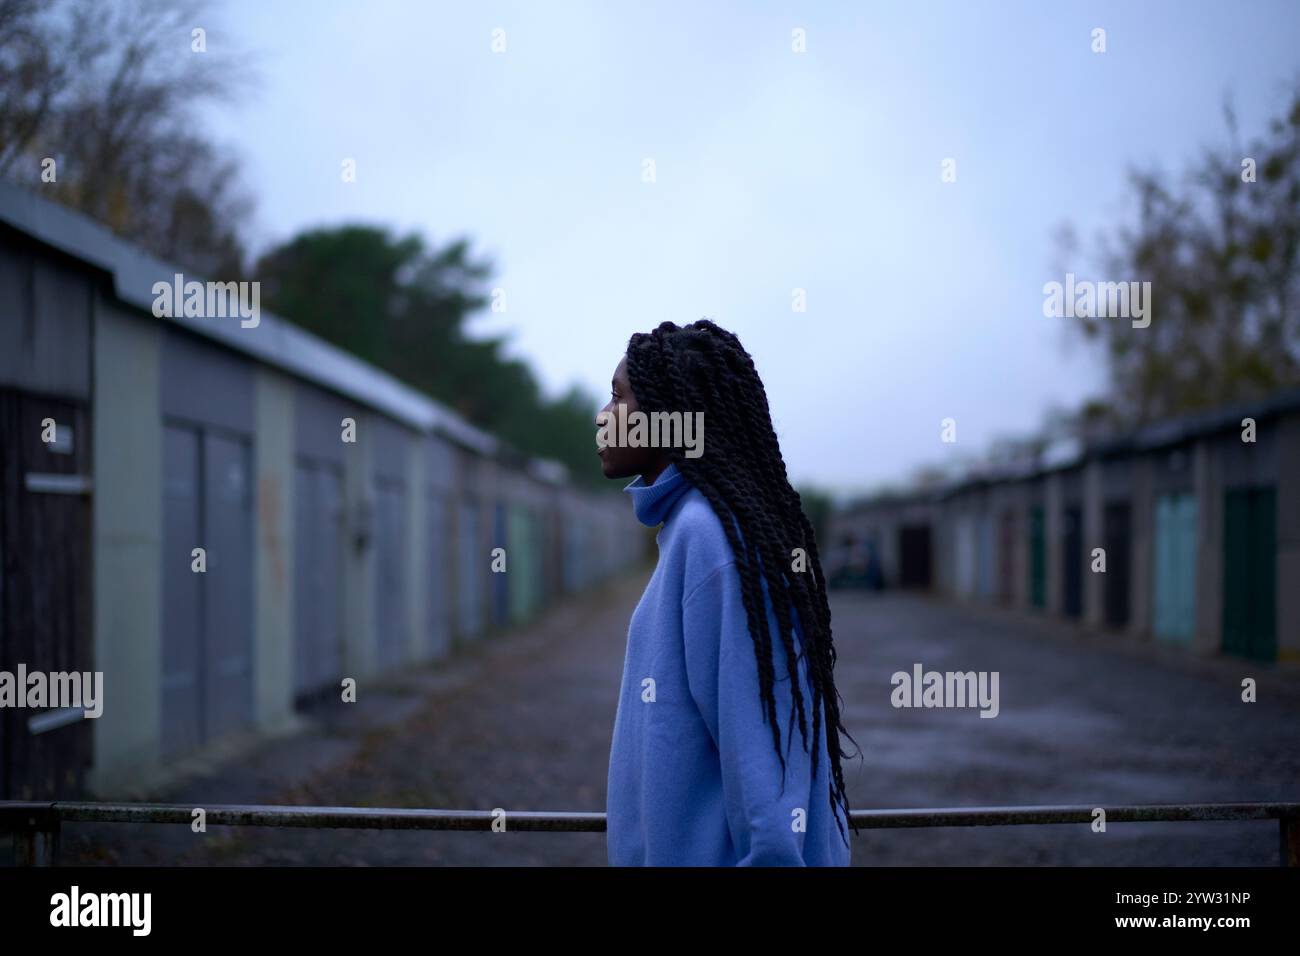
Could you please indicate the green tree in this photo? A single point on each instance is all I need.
(817, 507)
(406, 307)
(1222, 253)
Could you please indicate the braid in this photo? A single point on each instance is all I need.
(701, 367)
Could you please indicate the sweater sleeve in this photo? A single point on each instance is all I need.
(722, 672)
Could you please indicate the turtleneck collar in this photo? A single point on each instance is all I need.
(652, 503)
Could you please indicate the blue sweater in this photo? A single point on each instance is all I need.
(694, 778)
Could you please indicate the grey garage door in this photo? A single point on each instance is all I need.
(207, 670)
(318, 609)
(390, 568)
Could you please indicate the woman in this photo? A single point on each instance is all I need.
(700, 771)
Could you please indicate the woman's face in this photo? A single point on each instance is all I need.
(625, 461)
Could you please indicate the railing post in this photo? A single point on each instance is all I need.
(1289, 831)
(51, 838)
(36, 832)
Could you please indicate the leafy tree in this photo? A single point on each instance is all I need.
(817, 506)
(1222, 254)
(405, 307)
(111, 89)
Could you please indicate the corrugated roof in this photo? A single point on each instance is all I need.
(1194, 425)
(273, 341)
(1148, 438)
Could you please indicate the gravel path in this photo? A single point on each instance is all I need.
(523, 721)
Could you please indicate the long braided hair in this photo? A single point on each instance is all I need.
(703, 368)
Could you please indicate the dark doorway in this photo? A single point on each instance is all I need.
(1117, 537)
(914, 556)
(1072, 562)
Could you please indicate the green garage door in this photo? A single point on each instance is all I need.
(1175, 577)
(525, 564)
(1250, 573)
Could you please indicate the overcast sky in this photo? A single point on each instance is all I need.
(775, 171)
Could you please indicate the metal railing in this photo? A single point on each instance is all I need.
(36, 827)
